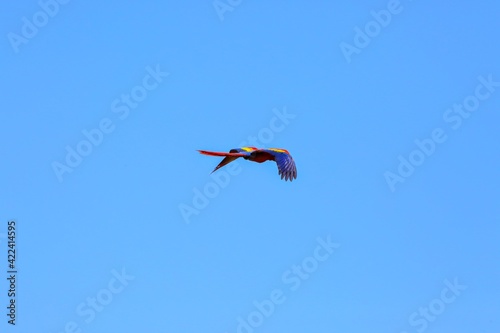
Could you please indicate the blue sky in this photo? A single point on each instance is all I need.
(389, 108)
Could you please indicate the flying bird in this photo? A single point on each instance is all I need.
(286, 165)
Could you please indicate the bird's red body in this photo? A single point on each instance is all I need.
(263, 157)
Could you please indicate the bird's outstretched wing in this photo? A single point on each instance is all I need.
(285, 162)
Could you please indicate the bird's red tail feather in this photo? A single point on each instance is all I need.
(214, 153)
(228, 157)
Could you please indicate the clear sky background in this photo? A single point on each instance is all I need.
(414, 250)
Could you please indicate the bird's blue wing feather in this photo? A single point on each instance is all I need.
(286, 164)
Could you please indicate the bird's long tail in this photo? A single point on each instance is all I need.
(229, 157)
(214, 153)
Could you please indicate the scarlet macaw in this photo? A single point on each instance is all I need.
(286, 165)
